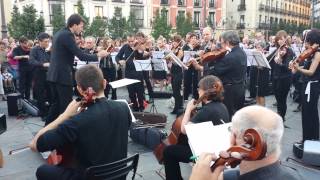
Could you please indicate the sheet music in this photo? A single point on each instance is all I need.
(260, 59)
(250, 58)
(159, 65)
(113, 56)
(187, 55)
(123, 82)
(133, 119)
(157, 54)
(142, 65)
(207, 138)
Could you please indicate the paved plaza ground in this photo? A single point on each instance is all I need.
(22, 166)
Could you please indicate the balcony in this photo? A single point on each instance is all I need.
(241, 7)
(267, 8)
(273, 9)
(241, 26)
(278, 10)
(264, 26)
(196, 3)
(164, 2)
(136, 1)
(211, 4)
(120, 1)
(181, 3)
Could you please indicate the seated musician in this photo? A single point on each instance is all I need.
(92, 133)
(270, 126)
(212, 110)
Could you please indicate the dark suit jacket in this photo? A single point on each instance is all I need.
(231, 69)
(64, 49)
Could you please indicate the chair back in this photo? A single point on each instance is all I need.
(114, 170)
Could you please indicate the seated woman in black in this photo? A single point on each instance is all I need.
(92, 133)
(212, 110)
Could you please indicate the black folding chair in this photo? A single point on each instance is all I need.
(114, 170)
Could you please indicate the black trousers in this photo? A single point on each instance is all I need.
(310, 115)
(234, 96)
(136, 95)
(110, 75)
(61, 97)
(176, 90)
(41, 90)
(25, 81)
(281, 90)
(172, 155)
(49, 172)
(190, 83)
(146, 78)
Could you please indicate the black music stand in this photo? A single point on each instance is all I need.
(261, 62)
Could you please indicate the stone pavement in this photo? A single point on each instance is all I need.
(22, 166)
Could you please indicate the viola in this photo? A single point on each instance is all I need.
(175, 136)
(306, 53)
(254, 148)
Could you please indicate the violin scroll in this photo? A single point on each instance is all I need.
(254, 148)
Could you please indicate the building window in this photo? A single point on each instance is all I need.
(196, 3)
(211, 3)
(181, 13)
(196, 18)
(53, 8)
(98, 11)
(211, 18)
(181, 2)
(138, 12)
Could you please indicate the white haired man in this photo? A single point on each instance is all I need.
(270, 126)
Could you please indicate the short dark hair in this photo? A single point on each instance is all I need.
(74, 19)
(176, 38)
(313, 36)
(213, 85)
(23, 39)
(43, 36)
(90, 76)
(192, 35)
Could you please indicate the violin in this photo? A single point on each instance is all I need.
(176, 136)
(210, 56)
(254, 148)
(304, 55)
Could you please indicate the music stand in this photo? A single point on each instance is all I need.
(261, 62)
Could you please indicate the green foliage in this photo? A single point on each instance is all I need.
(58, 20)
(80, 9)
(188, 24)
(117, 25)
(180, 24)
(160, 25)
(98, 27)
(27, 24)
(13, 26)
(131, 26)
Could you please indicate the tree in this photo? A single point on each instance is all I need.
(188, 24)
(98, 27)
(13, 26)
(160, 25)
(58, 20)
(80, 9)
(117, 24)
(26, 24)
(131, 25)
(180, 24)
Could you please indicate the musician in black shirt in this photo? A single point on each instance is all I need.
(39, 58)
(98, 134)
(311, 88)
(211, 90)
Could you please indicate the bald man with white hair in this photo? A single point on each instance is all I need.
(270, 125)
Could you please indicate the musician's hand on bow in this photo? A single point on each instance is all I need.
(46, 64)
(201, 52)
(72, 109)
(202, 171)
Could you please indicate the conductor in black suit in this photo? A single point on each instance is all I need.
(64, 49)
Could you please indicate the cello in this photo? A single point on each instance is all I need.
(176, 136)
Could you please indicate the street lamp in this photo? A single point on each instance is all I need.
(118, 29)
(3, 20)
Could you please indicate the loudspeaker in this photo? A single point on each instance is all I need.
(3, 123)
(13, 104)
(309, 152)
(162, 94)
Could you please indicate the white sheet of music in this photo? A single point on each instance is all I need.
(113, 56)
(133, 119)
(260, 59)
(187, 55)
(142, 65)
(123, 82)
(159, 65)
(157, 54)
(250, 58)
(207, 138)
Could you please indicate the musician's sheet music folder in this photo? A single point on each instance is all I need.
(207, 138)
(123, 82)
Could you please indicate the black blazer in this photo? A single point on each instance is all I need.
(231, 69)
(64, 48)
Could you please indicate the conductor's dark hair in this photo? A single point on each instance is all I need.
(90, 76)
(213, 86)
(74, 19)
(313, 36)
(43, 36)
